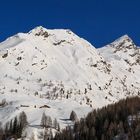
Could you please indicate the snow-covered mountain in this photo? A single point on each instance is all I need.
(65, 72)
(124, 57)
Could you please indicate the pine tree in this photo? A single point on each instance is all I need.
(11, 127)
(1, 131)
(23, 120)
(73, 117)
(55, 124)
(15, 123)
(49, 121)
(7, 128)
(92, 133)
(43, 120)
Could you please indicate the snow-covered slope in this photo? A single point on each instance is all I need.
(124, 57)
(65, 72)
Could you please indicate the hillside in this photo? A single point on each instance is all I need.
(55, 71)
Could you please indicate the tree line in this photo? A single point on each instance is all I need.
(119, 121)
(14, 128)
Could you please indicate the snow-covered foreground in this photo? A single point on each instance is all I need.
(58, 69)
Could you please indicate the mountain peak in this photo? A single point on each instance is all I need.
(124, 38)
(39, 30)
(124, 42)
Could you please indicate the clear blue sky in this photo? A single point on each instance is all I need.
(98, 21)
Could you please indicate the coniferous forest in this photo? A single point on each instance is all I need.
(119, 121)
(14, 128)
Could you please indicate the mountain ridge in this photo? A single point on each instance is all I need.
(65, 72)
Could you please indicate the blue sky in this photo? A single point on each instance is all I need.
(98, 21)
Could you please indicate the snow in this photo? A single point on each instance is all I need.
(59, 69)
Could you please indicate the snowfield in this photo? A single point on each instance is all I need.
(58, 69)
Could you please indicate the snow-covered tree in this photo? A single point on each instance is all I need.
(46, 121)
(56, 124)
(43, 120)
(23, 119)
